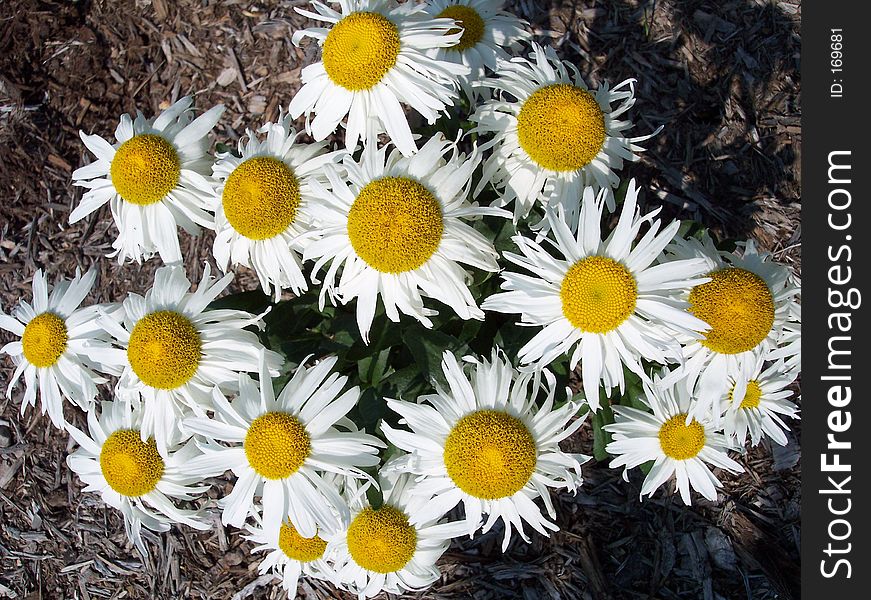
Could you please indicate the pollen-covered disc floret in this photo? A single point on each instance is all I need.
(376, 57)
(598, 294)
(132, 475)
(164, 349)
(44, 339)
(154, 178)
(682, 448)
(603, 303)
(490, 454)
(276, 445)
(738, 306)
(293, 451)
(490, 441)
(561, 127)
(471, 22)
(360, 49)
(55, 345)
(752, 395)
(297, 547)
(261, 197)
(399, 228)
(552, 135)
(679, 440)
(131, 467)
(381, 540)
(395, 224)
(145, 169)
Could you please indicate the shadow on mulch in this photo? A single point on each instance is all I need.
(722, 78)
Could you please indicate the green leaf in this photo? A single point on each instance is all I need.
(600, 418)
(222, 148)
(370, 409)
(512, 338)
(427, 347)
(620, 192)
(373, 369)
(253, 301)
(374, 495)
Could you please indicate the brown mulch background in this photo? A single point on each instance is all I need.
(722, 77)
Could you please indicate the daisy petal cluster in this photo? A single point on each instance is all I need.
(750, 305)
(398, 227)
(280, 447)
(486, 443)
(438, 311)
(171, 350)
(264, 204)
(604, 301)
(680, 446)
(130, 474)
(374, 60)
(56, 338)
(489, 34)
(392, 547)
(552, 134)
(154, 179)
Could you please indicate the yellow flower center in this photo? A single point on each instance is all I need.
(738, 306)
(381, 540)
(395, 224)
(44, 339)
(360, 49)
(296, 547)
(145, 168)
(679, 440)
(752, 396)
(598, 294)
(261, 197)
(131, 467)
(470, 20)
(164, 349)
(276, 445)
(490, 454)
(561, 127)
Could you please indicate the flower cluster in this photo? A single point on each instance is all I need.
(684, 350)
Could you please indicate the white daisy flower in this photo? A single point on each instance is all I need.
(488, 31)
(605, 302)
(281, 448)
(486, 443)
(391, 548)
(374, 58)
(154, 179)
(291, 555)
(757, 402)
(681, 447)
(553, 135)
(397, 229)
(174, 350)
(264, 204)
(789, 344)
(53, 352)
(131, 475)
(746, 303)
